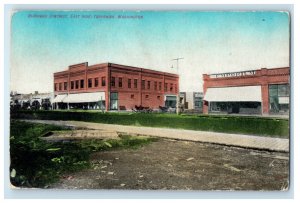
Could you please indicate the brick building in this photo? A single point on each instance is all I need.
(113, 87)
(263, 91)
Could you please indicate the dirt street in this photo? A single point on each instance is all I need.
(182, 165)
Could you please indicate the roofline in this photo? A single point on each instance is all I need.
(249, 70)
(120, 66)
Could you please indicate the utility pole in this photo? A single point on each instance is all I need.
(178, 95)
(177, 59)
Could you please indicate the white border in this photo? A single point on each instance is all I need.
(149, 194)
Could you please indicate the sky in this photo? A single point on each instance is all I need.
(208, 42)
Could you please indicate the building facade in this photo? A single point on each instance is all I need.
(191, 101)
(114, 87)
(263, 91)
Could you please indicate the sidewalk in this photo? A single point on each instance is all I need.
(247, 141)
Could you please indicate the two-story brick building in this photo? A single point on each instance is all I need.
(113, 87)
(263, 91)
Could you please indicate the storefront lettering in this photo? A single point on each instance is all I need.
(233, 74)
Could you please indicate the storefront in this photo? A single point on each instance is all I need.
(264, 91)
(92, 100)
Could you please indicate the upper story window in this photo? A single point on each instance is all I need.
(120, 82)
(90, 82)
(135, 83)
(77, 84)
(155, 85)
(103, 82)
(96, 82)
(129, 83)
(72, 84)
(55, 86)
(113, 81)
(159, 85)
(171, 87)
(166, 86)
(143, 84)
(65, 85)
(81, 83)
(60, 86)
(149, 84)
(175, 88)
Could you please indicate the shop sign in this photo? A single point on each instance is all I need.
(233, 74)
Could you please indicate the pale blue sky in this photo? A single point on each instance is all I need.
(209, 42)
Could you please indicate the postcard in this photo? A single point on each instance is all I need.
(150, 100)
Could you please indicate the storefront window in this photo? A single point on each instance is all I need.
(170, 101)
(279, 98)
(235, 107)
(114, 101)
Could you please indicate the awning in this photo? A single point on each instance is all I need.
(234, 94)
(85, 97)
(59, 98)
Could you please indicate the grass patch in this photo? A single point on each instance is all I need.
(228, 124)
(36, 163)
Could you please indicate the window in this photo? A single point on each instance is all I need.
(166, 86)
(60, 86)
(77, 84)
(135, 83)
(65, 85)
(81, 83)
(170, 101)
(55, 86)
(114, 101)
(175, 88)
(72, 84)
(279, 98)
(283, 90)
(113, 81)
(149, 84)
(171, 87)
(120, 82)
(96, 82)
(143, 84)
(90, 82)
(155, 85)
(129, 83)
(132, 96)
(159, 87)
(103, 81)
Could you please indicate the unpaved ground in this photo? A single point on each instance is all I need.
(174, 165)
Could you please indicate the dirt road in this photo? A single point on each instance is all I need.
(183, 165)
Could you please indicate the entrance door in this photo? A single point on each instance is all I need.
(113, 101)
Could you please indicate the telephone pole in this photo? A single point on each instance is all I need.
(178, 97)
(177, 59)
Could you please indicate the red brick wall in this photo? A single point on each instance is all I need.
(148, 97)
(82, 72)
(262, 77)
(154, 99)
